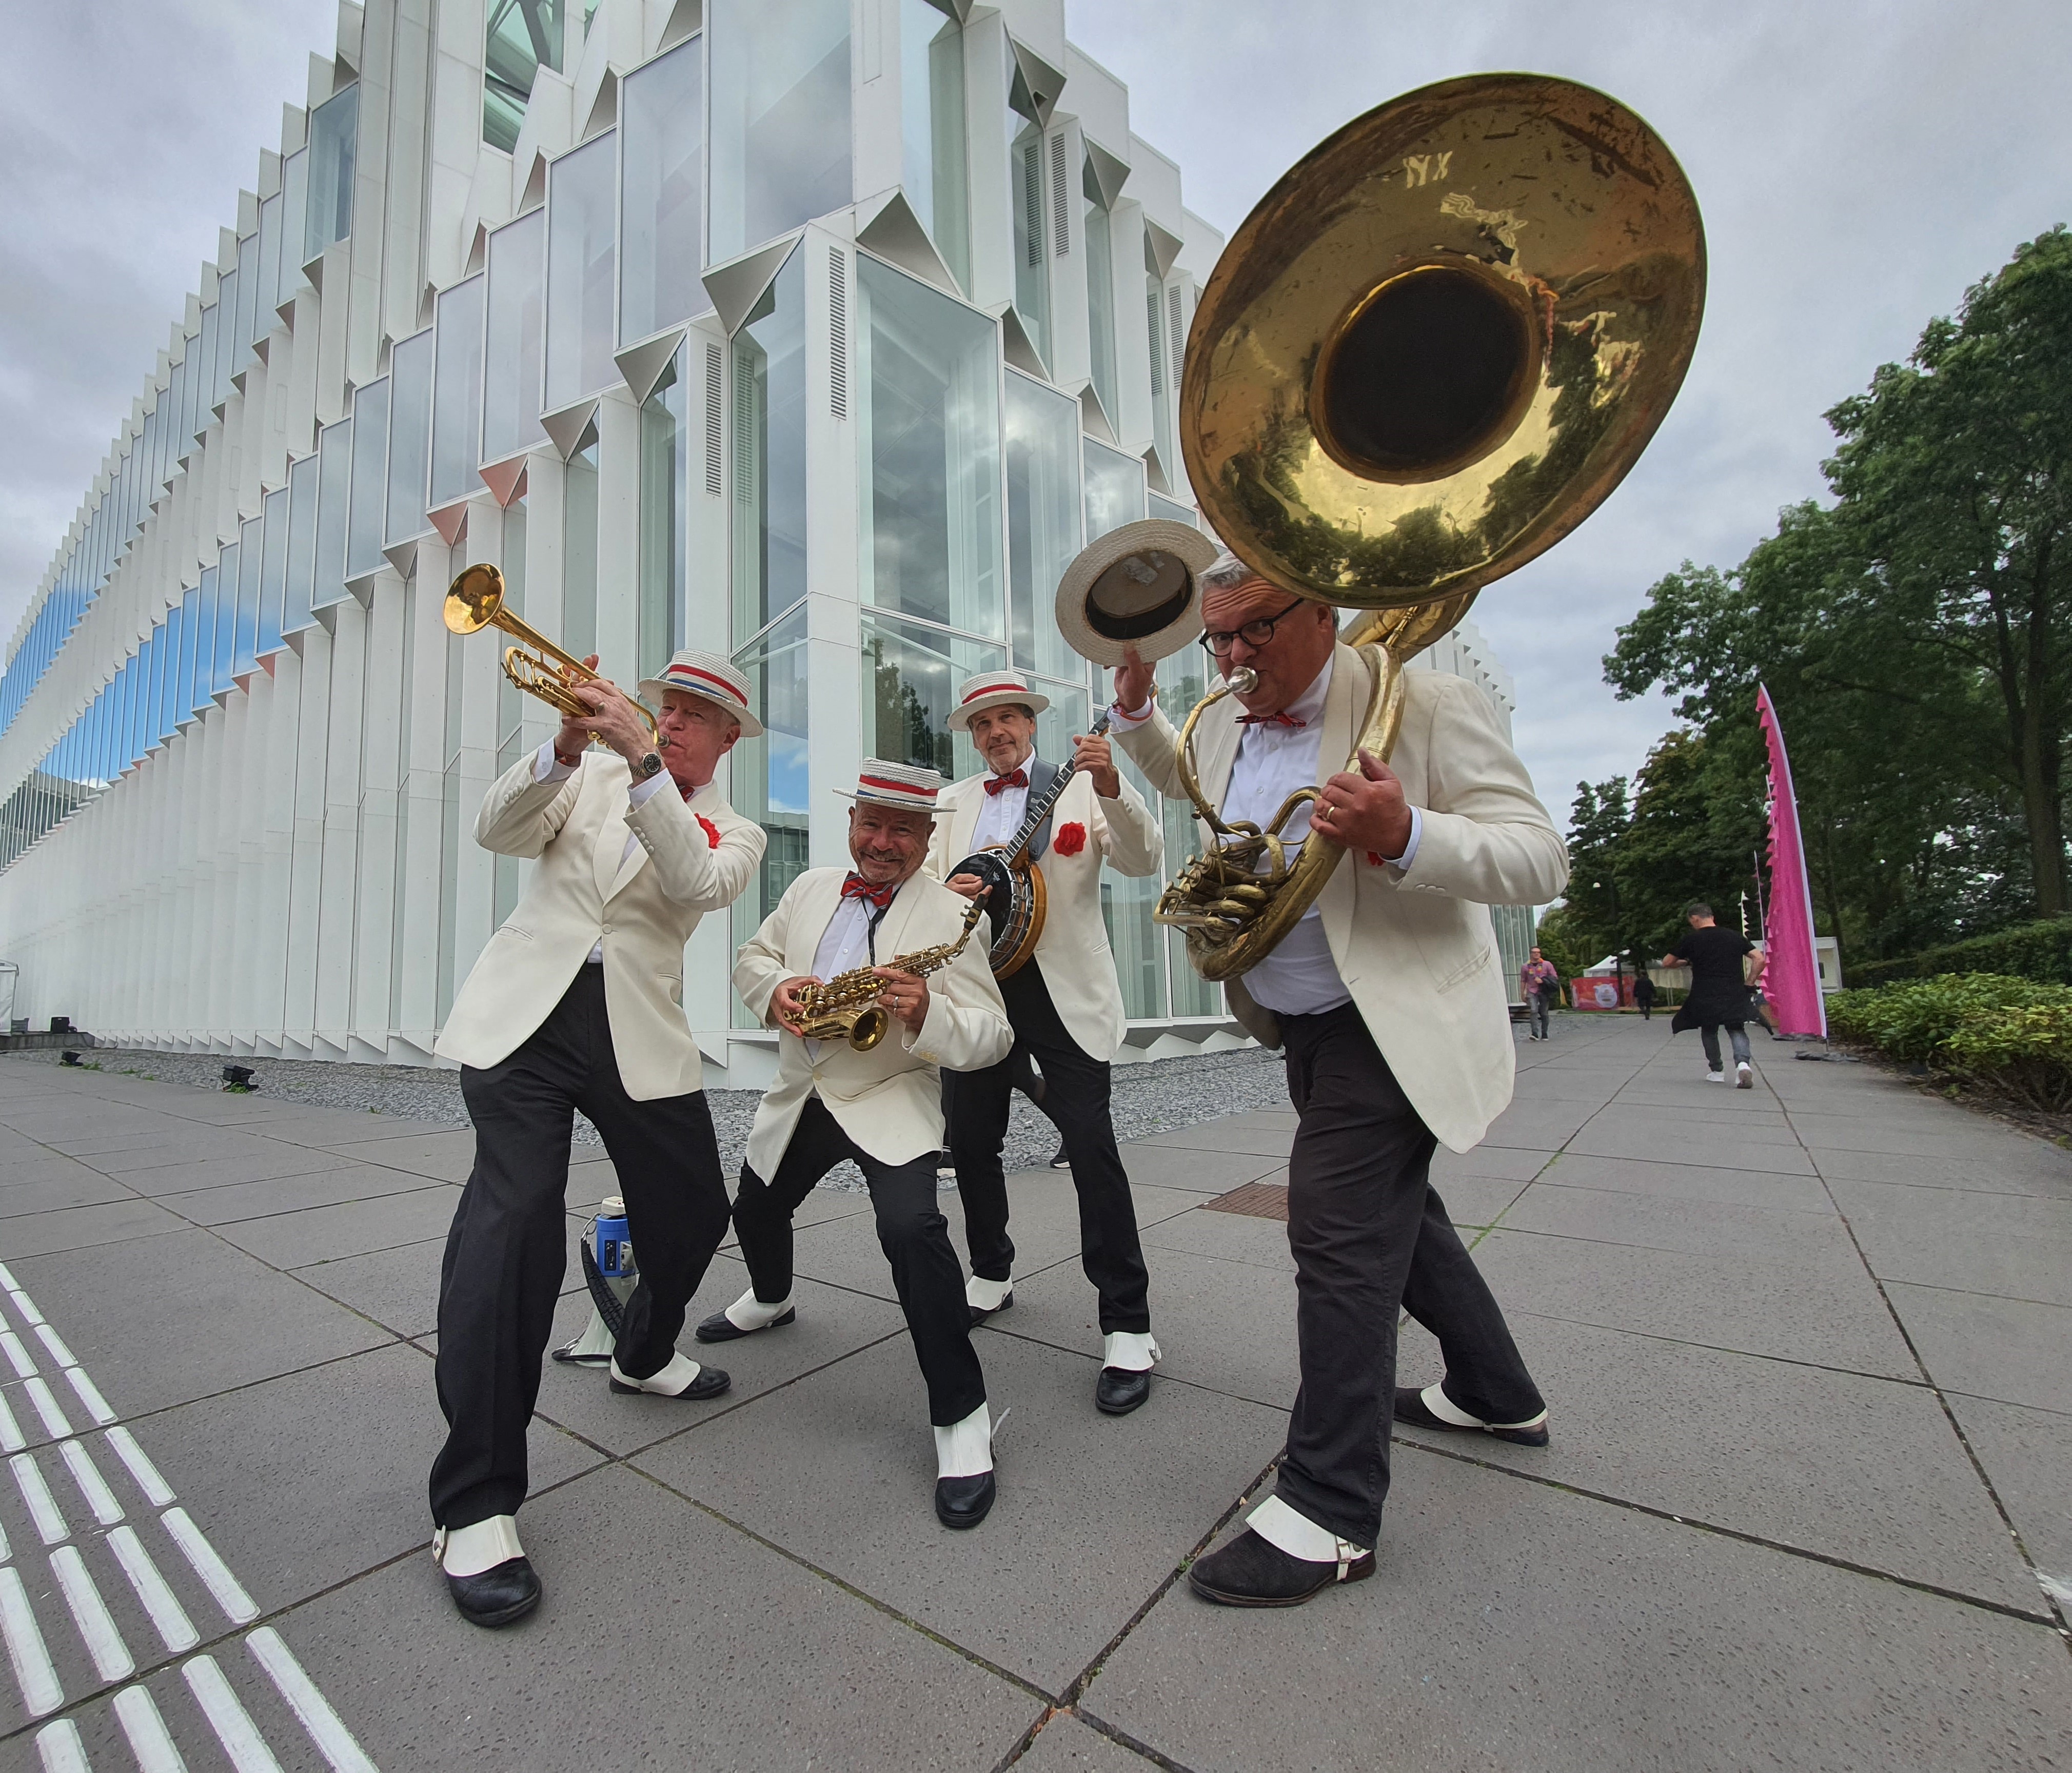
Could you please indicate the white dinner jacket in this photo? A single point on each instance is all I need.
(643, 909)
(1072, 951)
(889, 1100)
(1415, 946)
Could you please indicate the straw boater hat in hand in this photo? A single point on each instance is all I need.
(881, 783)
(1136, 587)
(710, 675)
(994, 689)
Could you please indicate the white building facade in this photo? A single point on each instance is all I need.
(823, 332)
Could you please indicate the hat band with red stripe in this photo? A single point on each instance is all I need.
(691, 677)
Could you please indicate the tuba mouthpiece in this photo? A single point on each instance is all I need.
(1243, 680)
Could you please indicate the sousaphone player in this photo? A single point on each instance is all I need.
(1433, 349)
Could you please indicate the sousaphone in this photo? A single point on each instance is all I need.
(1433, 349)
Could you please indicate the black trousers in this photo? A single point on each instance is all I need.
(1076, 1098)
(508, 1249)
(1371, 1237)
(911, 1231)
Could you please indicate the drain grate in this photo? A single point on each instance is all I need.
(1254, 1200)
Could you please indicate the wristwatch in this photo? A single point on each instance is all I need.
(648, 764)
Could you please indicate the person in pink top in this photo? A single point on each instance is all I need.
(1542, 986)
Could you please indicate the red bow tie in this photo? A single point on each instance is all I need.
(856, 887)
(1269, 720)
(999, 784)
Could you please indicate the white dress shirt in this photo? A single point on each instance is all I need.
(844, 946)
(547, 767)
(1273, 761)
(1000, 816)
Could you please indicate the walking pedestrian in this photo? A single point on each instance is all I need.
(1643, 995)
(1542, 984)
(1719, 991)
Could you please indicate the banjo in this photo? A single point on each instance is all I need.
(1013, 897)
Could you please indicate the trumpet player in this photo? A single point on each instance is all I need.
(1388, 1002)
(880, 1108)
(576, 1002)
(1066, 1008)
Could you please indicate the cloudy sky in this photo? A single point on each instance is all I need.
(1858, 164)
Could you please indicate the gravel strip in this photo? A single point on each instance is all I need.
(1159, 1096)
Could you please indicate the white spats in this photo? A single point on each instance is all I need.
(750, 1312)
(981, 1294)
(1130, 1350)
(1435, 1400)
(1278, 1525)
(673, 1380)
(965, 1449)
(469, 1551)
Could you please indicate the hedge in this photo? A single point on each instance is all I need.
(2007, 1036)
(2041, 951)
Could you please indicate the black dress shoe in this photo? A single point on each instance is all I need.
(979, 1313)
(1062, 1161)
(963, 1502)
(505, 1592)
(1251, 1571)
(710, 1382)
(1411, 1408)
(1119, 1390)
(720, 1327)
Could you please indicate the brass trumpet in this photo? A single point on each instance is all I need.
(846, 1007)
(474, 600)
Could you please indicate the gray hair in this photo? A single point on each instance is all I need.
(1225, 573)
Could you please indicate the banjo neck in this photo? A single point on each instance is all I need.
(1016, 850)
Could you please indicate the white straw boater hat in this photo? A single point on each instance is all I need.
(887, 784)
(1138, 586)
(994, 689)
(711, 675)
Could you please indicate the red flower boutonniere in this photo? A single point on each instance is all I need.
(711, 830)
(1071, 839)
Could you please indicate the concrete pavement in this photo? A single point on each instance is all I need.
(1808, 1503)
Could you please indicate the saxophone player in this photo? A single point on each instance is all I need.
(881, 1108)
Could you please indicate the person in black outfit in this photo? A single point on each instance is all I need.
(1643, 995)
(1719, 992)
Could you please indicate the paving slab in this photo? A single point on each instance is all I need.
(1037, 1590)
(1185, 1166)
(2028, 1456)
(1066, 1745)
(446, 1157)
(293, 1194)
(1698, 1228)
(2012, 1350)
(723, 1653)
(1677, 1181)
(1230, 1237)
(267, 1160)
(2010, 1244)
(2040, 1171)
(1501, 1163)
(398, 1288)
(54, 1184)
(1261, 1141)
(1512, 1625)
(322, 1234)
(1700, 1142)
(83, 1228)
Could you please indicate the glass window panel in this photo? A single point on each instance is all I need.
(663, 465)
(189, 648)
(1164, 367)
(266, 292)
(204, 683)
(409, 438)
(931, 105)
(579, 554)
(299, 573)
(1032, 255)
(168, 674)
(457, 394)
(252, 543)
(1126, 908)
(662, 111)
(248, 303)
(515, 337)
(272, 572)
(1042, 519)
(226, 621)
(1065, 717)
(929, 432)
(1100, 299)
(519, 37)
(581, 228)
(334, 498)
(1115, 489)
(152, 663)
(768, 782)
(780, 121)
(294, 223)
(911, 675)
(226, 302)
(770, 453)
(1174, 513)
(370, 463)
(334, 138)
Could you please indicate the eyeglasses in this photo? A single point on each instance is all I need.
(1254, 634)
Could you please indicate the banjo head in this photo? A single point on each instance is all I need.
(1009, 901)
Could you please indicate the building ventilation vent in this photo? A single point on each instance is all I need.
(715, 397)
(1060, 204)
(744, 430)
(837, 332)
(1151, 321)
(1176, 333)
(1032, 198)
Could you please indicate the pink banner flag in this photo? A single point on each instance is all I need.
(1792, 978)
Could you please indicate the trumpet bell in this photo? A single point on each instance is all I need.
(1442, 339)
(474, 599)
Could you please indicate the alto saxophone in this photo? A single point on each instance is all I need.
(846, 1007)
